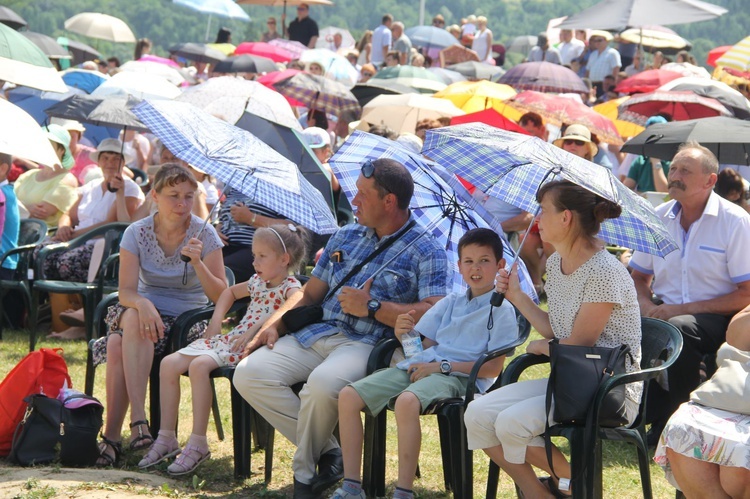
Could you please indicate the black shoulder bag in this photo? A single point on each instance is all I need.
(297, 318)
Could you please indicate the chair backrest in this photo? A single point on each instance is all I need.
(524, 329)
(107, 273)
(31, 232)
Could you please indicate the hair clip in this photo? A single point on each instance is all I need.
(291, 227)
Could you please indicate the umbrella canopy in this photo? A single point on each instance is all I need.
(326, 38)
(429, 37)
(140, 85)
(228, 98)
(245, 63)
(614, 14)
(101, 26)
(23, 63)
(34, 101)
(490, 117)
(646, 81)
(20, 135)
(271, 79)
(679, 105)
(290, 143)
(156, 69)
(609, 109)
(477, 70)
(86, 80)
(9, 18)
(114, 111)
(239, 159)
(440, 203)
(448, 75)
(560, 110)
(737, 57)
(276, 54)
(420, 78)
(522, 44)
(715, 53)
(653, 38)
(293, 47)
(511, 167)
(471, 96)
(48, 45)
(284, 3)
(729, 97)
(198, 52)
(365, 92)
(725, 137)
(318, 92)
(222, 8)
(224, 48)
(336, 66)
(687, 69)
(403, 112)
(81, 52)
(543, 77)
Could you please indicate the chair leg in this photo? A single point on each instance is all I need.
(217, 414)
(90, 372)
(270, 433)
(462, 462)
(34, 319)
(493, 477)
(643, 465)
(447, 453)
(153, 393)
(89, 307)
(241, 427)
(373, 476)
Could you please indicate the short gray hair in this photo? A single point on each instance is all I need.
(708, 160)
(398, 24)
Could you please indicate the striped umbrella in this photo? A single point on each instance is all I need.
(318, 92)
(543, 77)
(738, 57)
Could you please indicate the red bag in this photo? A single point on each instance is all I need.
(41, 371)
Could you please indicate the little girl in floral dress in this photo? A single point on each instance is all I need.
(276, 250)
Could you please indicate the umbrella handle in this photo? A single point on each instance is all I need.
(497, 299)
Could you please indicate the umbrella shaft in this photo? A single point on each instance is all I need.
(523, 241)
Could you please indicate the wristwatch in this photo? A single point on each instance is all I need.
(445, 367)
(373, 306)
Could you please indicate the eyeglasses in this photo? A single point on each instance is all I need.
(367, 74)
(368, 171)
(271, 23)
(568, 142)
(596, 40)
(301, 9)
(438, 23)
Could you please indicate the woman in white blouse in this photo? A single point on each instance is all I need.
(482, 43)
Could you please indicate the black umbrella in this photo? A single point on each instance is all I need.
(726, 137)
(293, 146)
(48, 45)
(9, 18)
(246, 63)
(477, 70)
(198, 52)
(365, 92)
(81, 52)
(112, 111)
(732, 100)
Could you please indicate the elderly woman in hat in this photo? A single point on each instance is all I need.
(50, 191)
(576, 139)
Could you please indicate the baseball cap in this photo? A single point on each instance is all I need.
(316, 137)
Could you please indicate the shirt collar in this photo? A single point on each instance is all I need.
(370, 232)
(711, 208)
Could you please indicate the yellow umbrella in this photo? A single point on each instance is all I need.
(732, 79)
(738, 57)
(609, 109)
(224, 48)
(472, 96)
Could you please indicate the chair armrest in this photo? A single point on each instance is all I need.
(487, 357)
(111, 261)
(101, 312)
(16, 251)
(188, 319)
(520, 364)
(381, 354)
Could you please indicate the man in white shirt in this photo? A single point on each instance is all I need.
(705, 282)
(382, 38)
(570, 48)
(401, 43)
(603, 61)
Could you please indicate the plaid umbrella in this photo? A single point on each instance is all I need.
(543, 77)
(512, 166)
(443, 207)
(318, 92)
(238, 159)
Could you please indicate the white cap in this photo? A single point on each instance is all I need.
(317, 137)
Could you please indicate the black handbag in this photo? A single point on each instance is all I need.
(47, 422)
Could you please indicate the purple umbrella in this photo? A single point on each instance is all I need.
(543, 77)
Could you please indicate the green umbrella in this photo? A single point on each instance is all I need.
(23, 63)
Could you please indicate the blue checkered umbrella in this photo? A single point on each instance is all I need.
(511, 167)
(444, 207)
(239, 159)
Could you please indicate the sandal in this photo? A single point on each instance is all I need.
(106, 459)
(143, 440)
(188, 461)
(162, 449)
(550, 485)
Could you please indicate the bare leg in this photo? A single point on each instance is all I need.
(137, 358)
(170, 370)
(200, 369)
(735, 481)
(697, 479)
(522, 474)
(350, 431)
(117, 395)
(407, 410)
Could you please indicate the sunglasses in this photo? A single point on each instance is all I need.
(568, 142)
(368, 171)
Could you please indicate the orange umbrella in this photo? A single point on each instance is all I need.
(609, 109)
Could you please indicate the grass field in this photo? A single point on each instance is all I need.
(215, 478)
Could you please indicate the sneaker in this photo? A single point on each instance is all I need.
(340, 493)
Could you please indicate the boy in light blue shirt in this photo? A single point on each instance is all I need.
(457, 330)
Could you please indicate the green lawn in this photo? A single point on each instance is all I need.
(215, 478)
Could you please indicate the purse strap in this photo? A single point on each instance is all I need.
(370, 257)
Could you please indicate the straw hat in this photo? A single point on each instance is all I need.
(578, 132)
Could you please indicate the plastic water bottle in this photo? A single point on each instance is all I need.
(411, 342)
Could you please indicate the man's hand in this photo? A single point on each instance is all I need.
(354, 301)
(268, 337)
(664, 312)
(421, 370)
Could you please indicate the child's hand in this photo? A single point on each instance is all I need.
(404, 323)
(213, 329)
(421, 370)
(240, 342)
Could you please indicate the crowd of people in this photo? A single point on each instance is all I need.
(169, 265)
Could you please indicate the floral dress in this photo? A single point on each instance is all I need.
(264, 302)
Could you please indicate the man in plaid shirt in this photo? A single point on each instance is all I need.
(330, 354)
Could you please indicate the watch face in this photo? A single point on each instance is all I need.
(373, 304)
(445, 367)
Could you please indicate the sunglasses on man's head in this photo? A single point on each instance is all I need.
(368, 171)
(568, 142)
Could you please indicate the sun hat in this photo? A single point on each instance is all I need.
(578, 132)
(601, 34)
(69, 125)
(111, 145)
(316, 137)
(59, 135)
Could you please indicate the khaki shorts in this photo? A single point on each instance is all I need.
(382, 388)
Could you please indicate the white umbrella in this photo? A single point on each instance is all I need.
(655, 37)
(20, 135)
(221, 8)
(102, 26)
(154, 68)
(336, 66)
(402, 112)
(23, 63)
(141, 85)
(687, 69)
(325, 38)
(615, 14)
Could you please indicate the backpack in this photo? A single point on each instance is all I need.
(42, 371)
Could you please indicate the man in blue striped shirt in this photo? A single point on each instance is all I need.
(414, 274)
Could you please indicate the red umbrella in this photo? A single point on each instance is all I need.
(646, 81)
(270, 79)
(563, 110)
(680, 105)
(490, 117)
(276, 54)
(714, 54)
